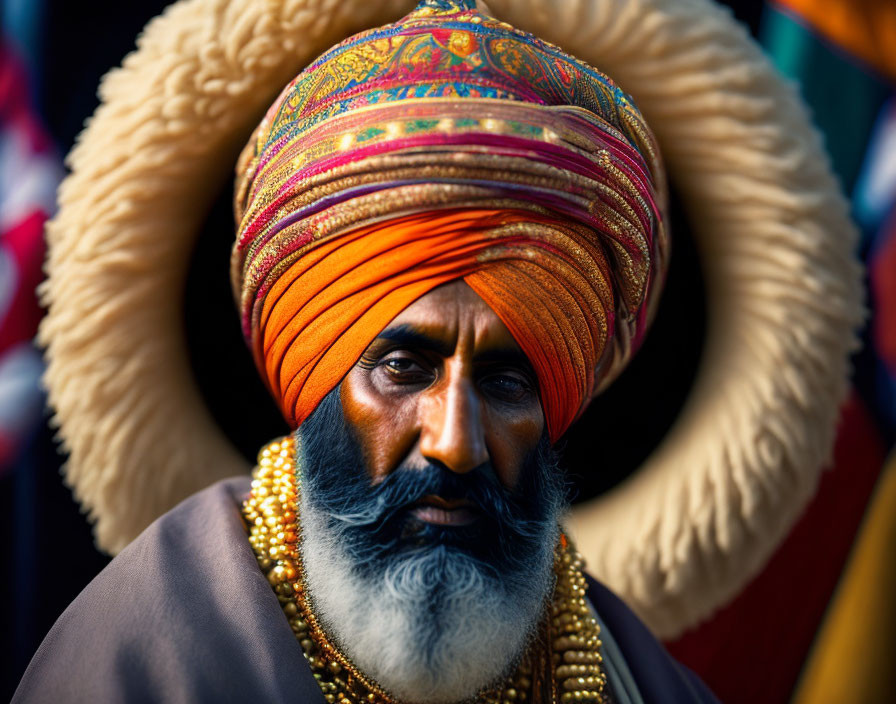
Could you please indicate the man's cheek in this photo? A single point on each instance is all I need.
(383, 426)
(509, 448)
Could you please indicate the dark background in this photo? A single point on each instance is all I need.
(49, 555)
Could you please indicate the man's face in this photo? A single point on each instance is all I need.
(436, 437)
(431, 501)
(445, 384)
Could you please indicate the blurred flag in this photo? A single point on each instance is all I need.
(29, 173)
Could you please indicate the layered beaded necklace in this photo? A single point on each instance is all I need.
(563, 663)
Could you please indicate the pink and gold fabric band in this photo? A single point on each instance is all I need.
(448, 146)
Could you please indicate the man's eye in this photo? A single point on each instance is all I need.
(400, 364)
(507, 387)
(404, 369)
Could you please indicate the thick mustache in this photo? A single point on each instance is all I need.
(406, 487)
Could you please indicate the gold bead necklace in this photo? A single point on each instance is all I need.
(562, 665)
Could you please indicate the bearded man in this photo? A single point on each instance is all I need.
(451, 236)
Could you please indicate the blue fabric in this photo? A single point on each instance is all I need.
(621, 684)
(660, 679)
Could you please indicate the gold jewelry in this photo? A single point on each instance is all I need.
(562, 665)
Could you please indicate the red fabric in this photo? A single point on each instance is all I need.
(753, 649)
(883, 288)
(31, 172)
(24, 245)
(21, 243)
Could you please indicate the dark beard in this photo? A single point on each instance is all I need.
(374, 523)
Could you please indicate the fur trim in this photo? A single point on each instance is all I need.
(707, 509)
(157, 150)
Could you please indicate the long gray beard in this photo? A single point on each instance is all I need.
(434, 625)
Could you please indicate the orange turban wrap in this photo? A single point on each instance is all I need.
(448, 146)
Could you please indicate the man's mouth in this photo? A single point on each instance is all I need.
(445, 512)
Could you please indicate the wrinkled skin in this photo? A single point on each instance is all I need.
(445, 384)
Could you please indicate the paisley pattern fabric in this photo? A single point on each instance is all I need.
(444, 113)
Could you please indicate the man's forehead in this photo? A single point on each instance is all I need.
(447, 317)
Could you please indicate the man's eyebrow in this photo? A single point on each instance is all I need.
(410, 336)
(511, 356)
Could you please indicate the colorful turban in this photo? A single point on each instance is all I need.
(448, 146)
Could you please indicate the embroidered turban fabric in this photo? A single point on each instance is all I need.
(446, 146)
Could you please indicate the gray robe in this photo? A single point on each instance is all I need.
(184, 614)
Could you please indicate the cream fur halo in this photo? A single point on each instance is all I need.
(700, 517)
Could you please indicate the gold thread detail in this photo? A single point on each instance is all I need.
(562, 665)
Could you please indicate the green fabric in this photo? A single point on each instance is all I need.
(845, 96)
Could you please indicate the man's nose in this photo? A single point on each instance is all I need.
(451, 430)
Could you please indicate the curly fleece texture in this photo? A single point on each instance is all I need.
(684, 534)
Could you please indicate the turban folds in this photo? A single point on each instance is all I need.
(448, 146)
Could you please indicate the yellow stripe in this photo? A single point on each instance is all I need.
(853, 659)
